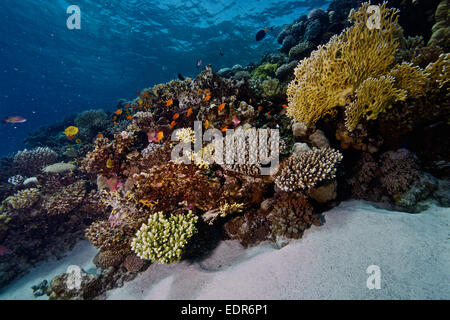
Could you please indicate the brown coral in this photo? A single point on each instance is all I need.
(290, 215)
(66, 199)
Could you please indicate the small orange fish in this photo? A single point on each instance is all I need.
(176, 116)
(129, 117)
(100, 135)
(206, 124)
(115, 123)
(221, 106)
(284, 106)
(287, 99)
(189, 112)
(224, 129)
(172, 124)
(250, 100)
(268, 114)
(259, 108)
(283, 112)
(169, 102)
(118, 112)
(207, 91)
(114, 118)
(207, 98)
(160, 136)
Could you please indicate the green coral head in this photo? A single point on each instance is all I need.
(163, 239)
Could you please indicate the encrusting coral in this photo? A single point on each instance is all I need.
(163, 239)
(308, 169)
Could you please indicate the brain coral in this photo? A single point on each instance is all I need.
(163, 239)
(307, 169)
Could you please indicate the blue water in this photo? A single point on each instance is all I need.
(48, 71)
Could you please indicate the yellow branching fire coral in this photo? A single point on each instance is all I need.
(335, 70)
(440, 70)
(410, 78)
(374, 96)
(163, 239)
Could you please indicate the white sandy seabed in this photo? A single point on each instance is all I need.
(412, 252)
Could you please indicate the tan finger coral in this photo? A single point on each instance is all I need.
(307, 169)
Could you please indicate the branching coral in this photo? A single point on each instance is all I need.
(307, 169)
(163, 239)
(410, 78)
(375, 95)
(23, 199)
(440, 70)
(30, 162)
(334, 71)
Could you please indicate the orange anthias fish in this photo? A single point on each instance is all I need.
(206, 124)
(160, 136)
(129, 117)
(100, 135)
(207, 91)
(250, 100)
(222, 106)
(284, 106)
(172, 124)
(176, 116)
(224, 129)
(169, 102)
(14, 119)
(207, 98)
(118, 112)
(189, 112)
(260, 108)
